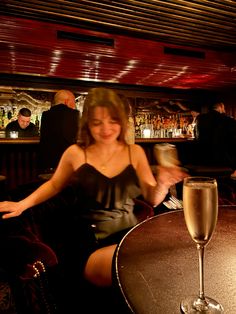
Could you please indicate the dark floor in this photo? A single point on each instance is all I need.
(75, 301)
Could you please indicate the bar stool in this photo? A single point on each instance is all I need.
(46, 174)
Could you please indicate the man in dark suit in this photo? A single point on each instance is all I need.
(216, 135)
(58, 130)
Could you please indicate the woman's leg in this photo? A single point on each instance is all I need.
(98, 269)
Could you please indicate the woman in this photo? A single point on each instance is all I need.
(109, 175)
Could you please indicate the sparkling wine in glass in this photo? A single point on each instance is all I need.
(200, 203)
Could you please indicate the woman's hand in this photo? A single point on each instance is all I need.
(10, 209)
(168, 176)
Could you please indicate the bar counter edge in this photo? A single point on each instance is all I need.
(35, 140)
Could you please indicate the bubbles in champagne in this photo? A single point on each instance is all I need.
(200, 201)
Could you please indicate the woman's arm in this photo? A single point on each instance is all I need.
(43, 193)
(166, 177)
(70, 159)
(154, 190)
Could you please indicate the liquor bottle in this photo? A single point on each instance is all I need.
(37, 122)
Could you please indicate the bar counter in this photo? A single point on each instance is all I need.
(163, 140)
(35, 140)
(18, 160)
(184, 147)
(25, 140)
(19, 157)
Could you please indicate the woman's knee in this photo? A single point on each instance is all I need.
(98, 269)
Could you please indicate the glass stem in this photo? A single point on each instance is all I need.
(201, 250)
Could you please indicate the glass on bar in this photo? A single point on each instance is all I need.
(13, 134)
(147, 131)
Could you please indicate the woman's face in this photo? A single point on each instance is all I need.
(103, 128)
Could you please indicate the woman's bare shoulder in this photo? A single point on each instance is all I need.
(75, 149)
(74, 154)
(71, 160)
(136, 149)
(137, 154)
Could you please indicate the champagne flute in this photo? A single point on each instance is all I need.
(200, 203)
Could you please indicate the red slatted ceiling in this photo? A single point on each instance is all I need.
(32, 47)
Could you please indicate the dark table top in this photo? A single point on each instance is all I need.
(157, 264)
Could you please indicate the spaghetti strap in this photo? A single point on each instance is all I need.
(130, 159)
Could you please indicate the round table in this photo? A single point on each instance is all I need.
(156, 264)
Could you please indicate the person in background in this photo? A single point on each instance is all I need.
(22, 125)
(216, 134)
(108, 174)
(194, 114)
(59, 128)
